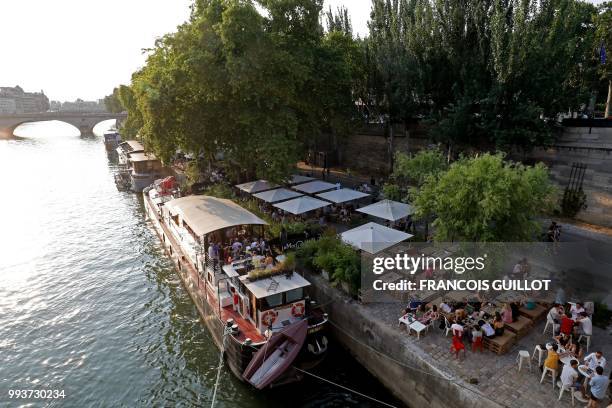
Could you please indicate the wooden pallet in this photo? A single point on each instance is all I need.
(521, 327)
(500, 344)
(535, 314)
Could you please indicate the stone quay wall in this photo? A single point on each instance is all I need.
(401, 366)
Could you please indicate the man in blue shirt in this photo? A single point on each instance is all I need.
(599, 385)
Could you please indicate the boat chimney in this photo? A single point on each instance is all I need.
(229, 322)
(248, 341)
(235, 329)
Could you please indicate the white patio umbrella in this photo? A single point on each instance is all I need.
(301, 205)
(256, 186)
(314, 187)
(343, 195)
(373, 237)
(388, 209)
(274, 196)
(298, 179)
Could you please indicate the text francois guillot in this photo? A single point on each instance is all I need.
(459, 265)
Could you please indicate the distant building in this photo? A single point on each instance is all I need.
(16, 100)
(80, 106)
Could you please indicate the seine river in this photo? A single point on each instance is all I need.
(90, 305)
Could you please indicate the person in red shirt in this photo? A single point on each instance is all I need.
(567, 325)
(235, 299)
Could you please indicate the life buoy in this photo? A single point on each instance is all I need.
(268, 318)
(297, 310)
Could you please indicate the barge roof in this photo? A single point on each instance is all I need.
(205, 214)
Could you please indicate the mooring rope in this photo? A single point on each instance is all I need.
(345, 388)
(226, 331)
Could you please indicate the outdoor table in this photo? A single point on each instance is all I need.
(406, 319)
(418, 327)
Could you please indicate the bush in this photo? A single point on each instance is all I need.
(341, 261)
(219, 191)
(601, 315)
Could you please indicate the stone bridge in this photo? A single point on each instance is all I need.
(85, 122)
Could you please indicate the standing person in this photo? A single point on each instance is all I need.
(235, 299)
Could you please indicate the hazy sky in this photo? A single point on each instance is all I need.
(83, 48)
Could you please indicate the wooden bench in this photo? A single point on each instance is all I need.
(500, 344)
(534, 314)
(520, 327)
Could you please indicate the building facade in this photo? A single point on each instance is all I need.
(16, 100)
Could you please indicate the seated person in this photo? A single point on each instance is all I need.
(552, 359)
(460, 314)
(554, 313)
(562, 340)
(567, 325)
(444, 307)
(599, 384)
(430, 315)
(576, 309)
(569, 376)
(488, 330)
(595, 360)
(585, 324)
(498, 324)
(506, 314)
(574, 349)
(514, 307)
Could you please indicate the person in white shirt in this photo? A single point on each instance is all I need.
(595, 360)
(457, 329)
(489, 331)
(576, 309)
(569, 376)
(554, 314)
(445, 307)
(586, 325)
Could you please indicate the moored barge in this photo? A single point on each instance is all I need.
(246, 302)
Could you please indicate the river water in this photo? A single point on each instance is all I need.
(90, 305)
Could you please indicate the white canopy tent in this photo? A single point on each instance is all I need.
(314, 187)
(342, 196)
(298, 179)
(256, 186)
(301, 205)
(373, 237)
(388, 210)
(274, 196)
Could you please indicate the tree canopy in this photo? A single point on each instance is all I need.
(486, 199)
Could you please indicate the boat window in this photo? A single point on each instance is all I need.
(272, 301)
(294, 295)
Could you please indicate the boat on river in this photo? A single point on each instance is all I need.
(138, 169)
(112, 138)
(251, 303)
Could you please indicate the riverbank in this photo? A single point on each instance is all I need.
(424, 373)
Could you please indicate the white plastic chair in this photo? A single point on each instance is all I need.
(523, 355)
(540, 352)
(447, 328)
(552, 372)
(550, 322)
(588, 340)
(566, 388)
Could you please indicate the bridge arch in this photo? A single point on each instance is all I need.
(84, 122)
(14, 132)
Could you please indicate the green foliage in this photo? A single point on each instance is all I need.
(392, 191)
(486, 199)
(255, 87)
(192, 172)
(112, 102)
(602, 315)
(417, 168)
(220, 191)
(341, 261)
(485, 71)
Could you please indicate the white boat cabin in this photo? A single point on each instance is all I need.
(224, 243)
